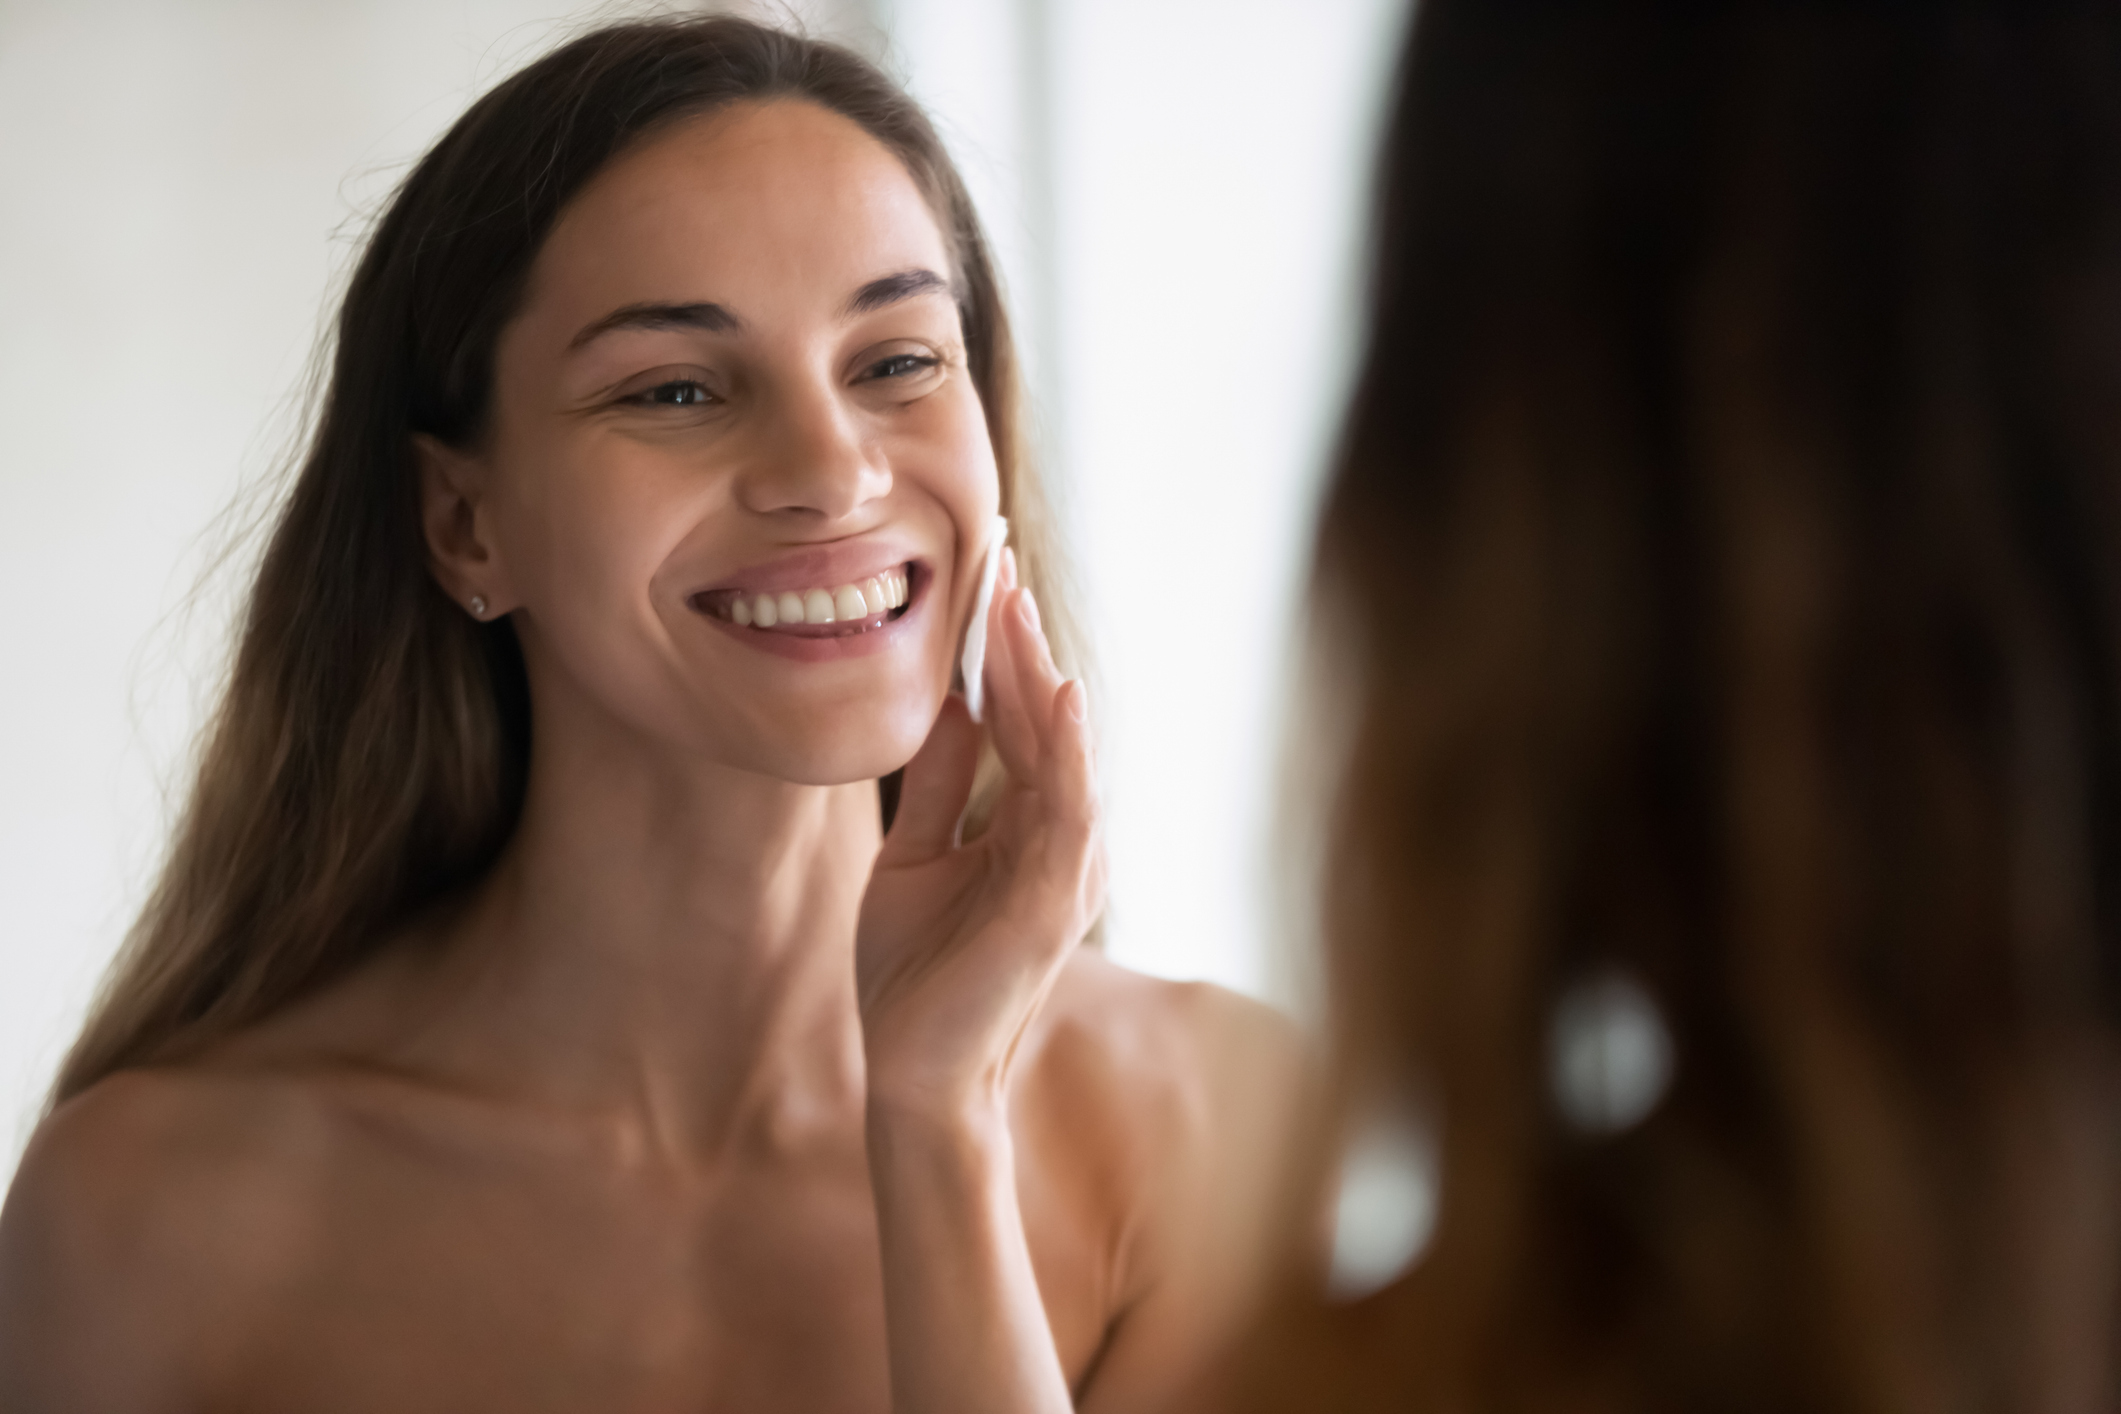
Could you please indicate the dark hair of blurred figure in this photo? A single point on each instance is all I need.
(1725, 546)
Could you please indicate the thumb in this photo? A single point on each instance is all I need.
(937, 784)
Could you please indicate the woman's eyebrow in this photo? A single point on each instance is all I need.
(892, 288)
(709, 318)
(716, 319)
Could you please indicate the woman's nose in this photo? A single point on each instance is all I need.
(816, 461)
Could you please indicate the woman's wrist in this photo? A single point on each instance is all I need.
(911, 1089)
(969, 1118)
(965, 1321)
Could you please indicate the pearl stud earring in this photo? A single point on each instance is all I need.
(478, 606)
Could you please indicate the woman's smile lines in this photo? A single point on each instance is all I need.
(858, 607)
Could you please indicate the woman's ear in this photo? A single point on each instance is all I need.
(459, 549)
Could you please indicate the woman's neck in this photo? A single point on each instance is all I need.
(672, 942)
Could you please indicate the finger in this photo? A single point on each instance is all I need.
(937, 784)
(1041, 679)
(997, 620)
(1018, 726)
(1037, 681)
(1064, 881)
(1071, 775)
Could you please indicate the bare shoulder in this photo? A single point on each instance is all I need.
(1167, 1042)
(1188, 1079)
(1173, 1108)
(145, 1215)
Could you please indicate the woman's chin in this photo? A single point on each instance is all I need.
(842, 757)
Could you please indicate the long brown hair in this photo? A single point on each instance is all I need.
(1727, 539)
(369, 754)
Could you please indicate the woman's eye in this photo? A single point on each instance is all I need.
(901, 365)
(678, 393)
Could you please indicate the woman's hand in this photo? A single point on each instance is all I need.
(958, 947)
(959, 944)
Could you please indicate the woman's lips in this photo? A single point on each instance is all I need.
(828, 611)
(819, 623)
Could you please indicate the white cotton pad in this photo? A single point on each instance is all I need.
(972, 666)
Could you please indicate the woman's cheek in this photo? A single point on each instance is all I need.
(951, 441)
(610, 525)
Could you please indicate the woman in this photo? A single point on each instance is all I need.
(1725, 551)
(532, 1014)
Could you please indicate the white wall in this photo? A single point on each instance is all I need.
(1172, 184)
(1212, 170)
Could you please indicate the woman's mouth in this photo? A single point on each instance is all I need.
(835, 611)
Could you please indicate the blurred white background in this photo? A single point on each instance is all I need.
(1176, 188)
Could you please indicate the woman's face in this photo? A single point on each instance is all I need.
(737, 388)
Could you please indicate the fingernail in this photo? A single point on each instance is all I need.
(1030, 610)
(1009, 564)
(1078, 700)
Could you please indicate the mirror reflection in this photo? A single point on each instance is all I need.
(688, 888)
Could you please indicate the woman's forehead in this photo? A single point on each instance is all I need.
(774, 201)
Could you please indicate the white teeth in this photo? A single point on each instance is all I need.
(863, 599)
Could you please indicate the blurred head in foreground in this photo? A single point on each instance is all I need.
(1725, 548)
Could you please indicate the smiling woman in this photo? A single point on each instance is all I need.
(534, 1012)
